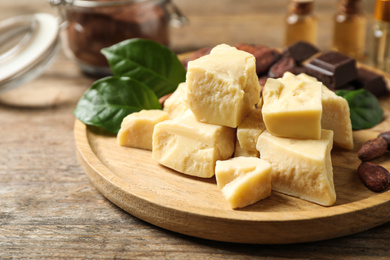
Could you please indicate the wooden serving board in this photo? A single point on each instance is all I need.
(132, 180)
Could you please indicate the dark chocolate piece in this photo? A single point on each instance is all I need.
(371, 81)
(301, 51)
(300, 69)
(286, 63)
(264, 55)
(349, 86)
(333, 69)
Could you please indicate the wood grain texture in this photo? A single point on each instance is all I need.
(50, 210)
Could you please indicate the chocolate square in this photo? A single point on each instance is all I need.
(333, 69)
(371, 81)
(301, 51)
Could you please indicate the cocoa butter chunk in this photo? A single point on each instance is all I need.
(191, 147)
(333, 69)
(249, 130)
(371, 81)
(264, 55)
(301, 51)
(374, 176)
(335, 114)
(243, 181)
(222, 87)
(372, 149)
(292, 108)
(300, 167)
(174, 104)
(137, 128)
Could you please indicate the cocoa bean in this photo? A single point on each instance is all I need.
(286, 63)
(264, 55)
(386, 136)
(163, 99)
(374, 176)
(196, 55)
(372, 149)
(263, 80)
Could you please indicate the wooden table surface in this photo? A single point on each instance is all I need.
(48, 207)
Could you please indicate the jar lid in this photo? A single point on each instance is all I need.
(350, 6)
(382, 10)
(28, 44)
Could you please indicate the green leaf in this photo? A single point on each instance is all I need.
(365, 110)
(147, 61)
(111, 99)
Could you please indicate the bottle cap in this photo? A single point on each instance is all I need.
(382, 10)
(349, 6)
(301, 7)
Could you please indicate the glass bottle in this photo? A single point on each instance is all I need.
(301, 24)
(349, 29)
(380, 37)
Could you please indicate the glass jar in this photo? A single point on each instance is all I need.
(90, 26)
(28, 44)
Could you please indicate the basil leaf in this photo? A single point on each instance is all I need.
(147, 61)
(365, 110)
(111, 99)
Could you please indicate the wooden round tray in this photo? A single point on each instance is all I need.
(132, 180)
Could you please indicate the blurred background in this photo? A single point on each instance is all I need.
(223, 21)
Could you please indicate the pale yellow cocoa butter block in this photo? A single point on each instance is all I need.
(137, 128)
(174, 105)
(192, 147)
(243, 180)
(292, 108)
(335, 115)
(222, 87)
(239, 151)
(301, 168)
(249, 129)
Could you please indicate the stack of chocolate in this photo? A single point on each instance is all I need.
(333, 69)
